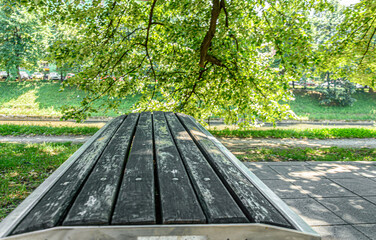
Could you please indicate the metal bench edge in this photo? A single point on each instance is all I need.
(253, 231)
(278, 203)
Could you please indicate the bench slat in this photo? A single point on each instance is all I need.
(136, 201)
(93, 205)
(49, 210)
(216, 201)
(178, 201)
(253, 203)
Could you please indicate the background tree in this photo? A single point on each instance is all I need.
(353, 46)
(23, 39)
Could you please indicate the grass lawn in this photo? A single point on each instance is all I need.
(45, 99)
(307, 107)
(17, 130)
(308, 154)
(310, 133)
(24, 166)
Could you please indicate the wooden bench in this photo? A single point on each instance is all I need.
(153, 176)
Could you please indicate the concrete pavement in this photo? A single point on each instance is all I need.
(337, 199)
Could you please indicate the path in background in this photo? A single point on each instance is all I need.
(41, 139)
(301, 124)
(214, 124)
(54, 123)
(246, 143)
(233, 144)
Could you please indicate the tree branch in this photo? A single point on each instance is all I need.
(369, 43)
(146, 46)
(214, 60)
(223, 6)
(216, 9)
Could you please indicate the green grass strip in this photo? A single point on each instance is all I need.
(313, 133)
(24, 166)
(16, 130)
(308, 154)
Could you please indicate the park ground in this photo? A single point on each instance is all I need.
(44, 99)
(328, 134)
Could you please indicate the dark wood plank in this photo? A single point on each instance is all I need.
(93, 205)
(49, 210)
(216, 201)
(136, 200)
(253, 203)
(178, 200)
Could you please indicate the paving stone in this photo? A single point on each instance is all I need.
(361, 186)
(325, 163)
(372, 200)
(337, 170)
(323, 188)
(339, 232)
(313, 212)
(363, 163)
(351, 209)
(367, 171)
(285, 189)
(298, 172)
(367, 229)
(263, 171)
(292, 163)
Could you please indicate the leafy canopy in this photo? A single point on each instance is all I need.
(351, 50)
(226, 58)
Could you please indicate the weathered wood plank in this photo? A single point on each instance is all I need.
(178, 200)
(136, 200)
(50, 209)
(93, 205)
(253, 203)
(216, 201)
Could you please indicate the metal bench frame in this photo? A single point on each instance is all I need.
(155, 232)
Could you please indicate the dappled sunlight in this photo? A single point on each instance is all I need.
(13, 174)
(27, 104)
(48, 149)
(307, 174)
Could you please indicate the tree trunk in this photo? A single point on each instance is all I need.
(19, 74)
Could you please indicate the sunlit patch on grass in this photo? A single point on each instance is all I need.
(45, 99)
(27, 104)
(13, 174)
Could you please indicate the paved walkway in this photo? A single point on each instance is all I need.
(41, 139)
(234, 144)
(338, 199)
(246, 143)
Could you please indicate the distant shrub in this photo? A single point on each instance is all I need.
(338, 94)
